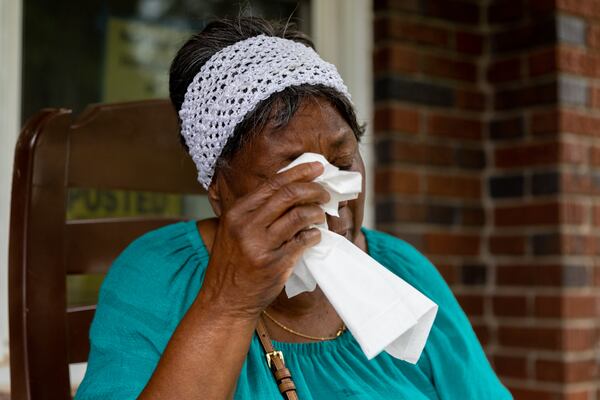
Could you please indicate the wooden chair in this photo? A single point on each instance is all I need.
(128, 146)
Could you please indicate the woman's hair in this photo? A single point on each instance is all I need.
(280, 107)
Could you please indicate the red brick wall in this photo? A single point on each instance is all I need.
(487, 125)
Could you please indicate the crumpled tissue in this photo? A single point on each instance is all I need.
(383, 312)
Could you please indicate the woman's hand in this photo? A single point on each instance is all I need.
(258, 241)
(260, 238)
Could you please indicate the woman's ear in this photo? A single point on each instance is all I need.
(214, 196)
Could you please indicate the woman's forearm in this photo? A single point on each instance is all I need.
(204, 356)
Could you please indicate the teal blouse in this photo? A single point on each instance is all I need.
(155, 280)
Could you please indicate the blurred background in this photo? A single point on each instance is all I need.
(483, 148)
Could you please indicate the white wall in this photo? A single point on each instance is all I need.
(343, 34)
(10, 102)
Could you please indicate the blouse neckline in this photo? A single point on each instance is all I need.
(309, 348)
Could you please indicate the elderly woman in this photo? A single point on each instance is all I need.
(178, 310)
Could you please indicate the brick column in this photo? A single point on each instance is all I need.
(488, 161)
(429, 130)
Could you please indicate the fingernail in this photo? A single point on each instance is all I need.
(316, 166)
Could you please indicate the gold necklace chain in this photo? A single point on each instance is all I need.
(290, 330)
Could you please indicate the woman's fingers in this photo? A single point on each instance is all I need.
(289, 196)
(294, 221)
(293, 248)
(305, 172)
(278, 199)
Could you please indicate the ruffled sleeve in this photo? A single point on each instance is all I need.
(139, 307)
(459, 366)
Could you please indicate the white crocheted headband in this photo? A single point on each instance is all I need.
(234, 81)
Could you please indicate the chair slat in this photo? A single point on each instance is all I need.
(79, 320)
(92, 245)
(138, 141)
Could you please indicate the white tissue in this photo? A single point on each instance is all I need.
(382, 311)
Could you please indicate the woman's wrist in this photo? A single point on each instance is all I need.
(220, 307)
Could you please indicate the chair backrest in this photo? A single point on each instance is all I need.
(128, 146)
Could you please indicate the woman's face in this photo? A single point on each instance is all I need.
(317, 128)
